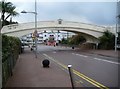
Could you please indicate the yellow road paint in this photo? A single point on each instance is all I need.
(93, 82)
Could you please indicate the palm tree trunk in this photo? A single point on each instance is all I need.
(3, 20)
(3, 14)
(8, 16)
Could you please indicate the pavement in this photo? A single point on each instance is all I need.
(29, 72)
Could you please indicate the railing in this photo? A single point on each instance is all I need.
(45, 24)
(7, 67)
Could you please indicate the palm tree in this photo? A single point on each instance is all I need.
(7, 9)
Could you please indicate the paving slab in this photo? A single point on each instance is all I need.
(29, 72)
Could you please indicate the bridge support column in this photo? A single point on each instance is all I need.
(96, 45)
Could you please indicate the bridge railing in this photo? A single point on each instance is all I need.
(45, 24)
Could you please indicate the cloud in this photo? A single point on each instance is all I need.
(63, 0)
(73, 18)
(89, 12)
(99, 13)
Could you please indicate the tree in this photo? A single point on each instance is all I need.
(77, 39)
(64, 41)
(7, 9)
(107, 41)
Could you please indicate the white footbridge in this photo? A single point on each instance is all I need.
(89, 31)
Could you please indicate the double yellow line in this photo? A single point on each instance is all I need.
(93, 82)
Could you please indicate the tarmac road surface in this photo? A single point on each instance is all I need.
(88, 70)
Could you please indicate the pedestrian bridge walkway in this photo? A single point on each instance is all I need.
(90, 31)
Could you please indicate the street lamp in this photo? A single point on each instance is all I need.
(35, 32)
(117, 17)
(28, 12)
(116, 36)
(116, 32)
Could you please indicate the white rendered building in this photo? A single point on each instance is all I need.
(44, 36)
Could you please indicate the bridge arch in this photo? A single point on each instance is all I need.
(89, 31)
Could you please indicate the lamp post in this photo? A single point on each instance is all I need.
(116, 30)
(116, 36)
(35, 32)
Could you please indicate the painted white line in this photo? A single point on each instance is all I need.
(73, 53)
(106, 61)
(93, 82)
(54, 52)
(81, 55)
(97, 59)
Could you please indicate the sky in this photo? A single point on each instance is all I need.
(99, 12)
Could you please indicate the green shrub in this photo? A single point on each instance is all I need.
(107, 40)
(5, 48)
(11, 47)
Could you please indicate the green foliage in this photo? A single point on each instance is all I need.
(64, 41)
(5, 47)
(118, 40)
(8, 10)
(77, 39)
(10, 45)
(8, 22)
(74, 40)
(107, 40)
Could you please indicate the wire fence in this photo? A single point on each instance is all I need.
(7, 67)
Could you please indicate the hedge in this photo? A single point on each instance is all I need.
(11, 48)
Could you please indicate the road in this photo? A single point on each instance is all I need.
(89, 70)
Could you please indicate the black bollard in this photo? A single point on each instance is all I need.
(31, 49)
(72, 47)
(70, 73)
(46, 63)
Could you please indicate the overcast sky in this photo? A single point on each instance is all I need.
(99, 12)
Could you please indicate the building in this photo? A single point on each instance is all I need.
(45, 35)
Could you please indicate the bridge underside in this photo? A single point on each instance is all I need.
(89, 35)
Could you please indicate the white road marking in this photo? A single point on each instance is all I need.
(93, 82)
(80, 55)
(106, 61)
(97, 59)
(54, 52)
(73, 53)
